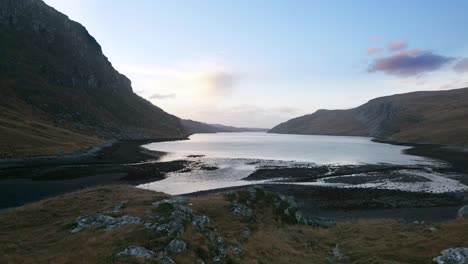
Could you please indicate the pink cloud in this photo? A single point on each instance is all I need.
(397, 45)
(373, 50)
(409, 63)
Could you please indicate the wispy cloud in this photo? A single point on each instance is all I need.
(197, 81)
(409, 63)
(397, 45)
(373, 50)
(162, 96)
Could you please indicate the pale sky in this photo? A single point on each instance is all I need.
(258, 63)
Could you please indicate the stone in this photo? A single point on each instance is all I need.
(338, 254)
(433, 229)
(247, 214)
(136, 251)
(236, 249)
(176, 246)
(452, 256)
(463, 212)
(164, 258)
(116, 208)
(104, 221)
(289, 200)
(201, 220)
(176, 200)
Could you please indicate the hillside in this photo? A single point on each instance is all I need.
(120, 224)
(199, 127)
(439, 117)
(53, 75)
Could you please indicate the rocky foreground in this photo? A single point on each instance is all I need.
(122, 224)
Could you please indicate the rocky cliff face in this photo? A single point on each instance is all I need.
(420, 117)
(55, 68)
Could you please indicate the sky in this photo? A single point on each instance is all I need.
(257, 63)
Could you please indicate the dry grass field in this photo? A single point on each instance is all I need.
(39, 233)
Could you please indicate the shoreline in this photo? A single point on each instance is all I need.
(126, 162)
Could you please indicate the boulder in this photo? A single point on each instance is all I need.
(103, 221)
(136, 251)
(247, 214)
(176, 200)
(463, 212)
(452, 255)
(116, 208)
(176, 246)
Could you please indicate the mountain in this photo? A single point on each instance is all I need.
(439, 117)
(59, 93)
(224, 128)
(198, 127)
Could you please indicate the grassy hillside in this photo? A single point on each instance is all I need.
(40, 233)
(55, 71)
(421, 117)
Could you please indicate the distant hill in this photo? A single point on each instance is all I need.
(198, 127)
(59, 93)
(419, 117)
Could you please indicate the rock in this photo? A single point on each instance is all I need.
(176, 246)
(247, 214)
(289, 200)
(416, 222)
(433, 229)
(201, 220)
(164, 258)
(453, 255)
(218, 252)
(177, 200)
(236, 249)
(338, 254)
(245, 233)
(463, 212)
(105, 221)
(136, 251)
(116, 208)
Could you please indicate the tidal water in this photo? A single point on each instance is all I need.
(237, 155)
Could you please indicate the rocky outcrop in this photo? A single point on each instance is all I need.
(103, 221)
(136, 251)
(56, 70)
(452, 256)
(244, 203)
(419, 117)
(463, 212)
(176, 246)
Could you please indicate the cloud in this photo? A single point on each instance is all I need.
(218, 82)
(203, 81)
(461, 66)
(373, 50)
(162, 96)
(397, 45)
(409, 63)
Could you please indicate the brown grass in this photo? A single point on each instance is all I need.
(37, 233)
(25, 135)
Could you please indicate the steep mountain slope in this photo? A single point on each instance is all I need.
(419, 117)
(54, 71)
(199, 127)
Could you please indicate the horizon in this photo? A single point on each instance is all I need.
(270, 61)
